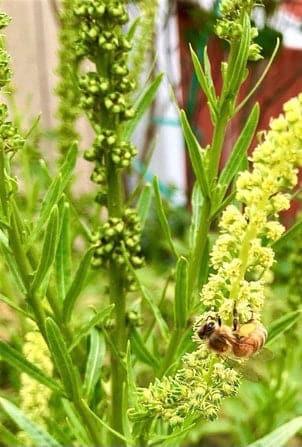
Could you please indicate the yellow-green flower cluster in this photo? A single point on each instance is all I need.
(67, 88)
(34, 397)
(241, 260)
(242, 256)
(229, 26)
(195, 391)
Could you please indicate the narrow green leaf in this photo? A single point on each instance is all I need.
(196, 201)
(132, 390)
(280, 436)
(40, 436)
(162, 325)
(281, 325)
(156, 312)
(62, 359)
(63, 255)
(133, 27)
(84, 330)
(229, 199)
(260, 80)
(13, 268)
(234, 162)
(18, 261)
(195, 154)
(52, 197)
(205, 81)
(162, 217)
(48, 250)
(4, 241)
(204, 265)
(94, 362)
(181, 294)
(77, 285)
(208, 73)
(101, 423)
(290, 234)
(15, 359)
(7, 438)
(14, 306)
(237, 66)
(142, 105)
(178, 433)
(144, 202)
(75, 423)
(55, 190)
(140, 350)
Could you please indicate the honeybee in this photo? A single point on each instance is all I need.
(241, 341)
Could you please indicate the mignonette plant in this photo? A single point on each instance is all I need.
(127, 372)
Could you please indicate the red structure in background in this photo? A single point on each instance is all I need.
(283, 81)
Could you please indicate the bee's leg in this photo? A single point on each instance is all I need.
(219, 320)
(252, 314)
(235, 319)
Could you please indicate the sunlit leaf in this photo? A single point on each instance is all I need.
(39, 435)
(281, 435)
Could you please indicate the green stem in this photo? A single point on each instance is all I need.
(171, 351)
(118, 298)
(216, 148)
(88, 422)
(244, 258)
(3, 194)
(199, 249)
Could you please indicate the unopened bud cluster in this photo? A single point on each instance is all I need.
(117, 238)
(92, 15)
(106, 144)
(104, 92)
(229, 27)
(195, 391)
(100, 35)
(34, 397)
(10, 139)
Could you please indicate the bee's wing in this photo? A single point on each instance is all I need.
(248, 367)
(264, 355)
(244, 369)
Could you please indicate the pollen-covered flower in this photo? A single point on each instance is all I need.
(245, 235)
(241, 260)
(196, 390)
(34, 397)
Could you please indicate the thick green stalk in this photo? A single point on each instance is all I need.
(199, 248)
(89, 423)
(171, 351)
(118, 298)
(216, 148)
(194, 269)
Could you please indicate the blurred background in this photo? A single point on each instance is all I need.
(32, 42)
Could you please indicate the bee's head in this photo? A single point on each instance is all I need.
(207, 329)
